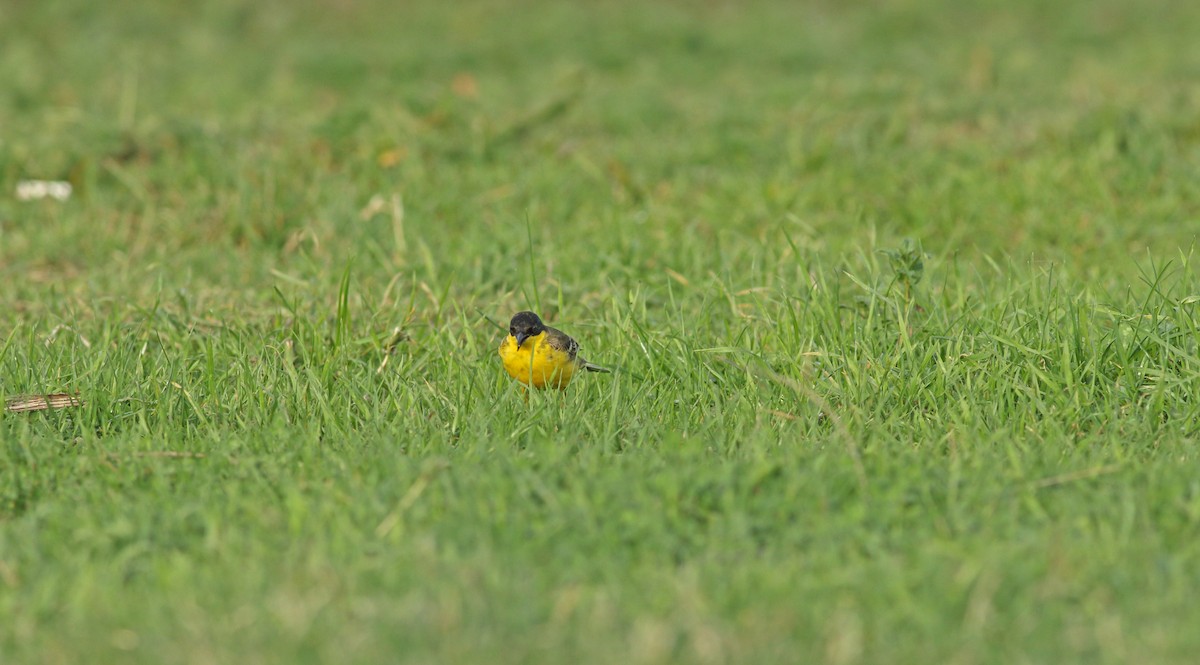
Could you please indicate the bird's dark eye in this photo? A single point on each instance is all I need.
(513, 331)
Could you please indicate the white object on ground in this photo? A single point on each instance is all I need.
(30, 190)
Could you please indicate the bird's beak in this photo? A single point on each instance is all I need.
(521, 337)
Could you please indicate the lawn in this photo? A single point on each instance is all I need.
(902, 299)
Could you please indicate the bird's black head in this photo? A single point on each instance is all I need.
(525, 325)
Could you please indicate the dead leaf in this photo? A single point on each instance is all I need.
(23, 403)
(464, 85)
(392, 156)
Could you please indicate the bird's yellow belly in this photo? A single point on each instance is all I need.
(536, 364)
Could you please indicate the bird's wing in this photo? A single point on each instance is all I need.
(561, 341)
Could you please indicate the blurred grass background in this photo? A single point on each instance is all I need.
(230, 140)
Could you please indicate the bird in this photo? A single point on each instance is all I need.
(540, 356)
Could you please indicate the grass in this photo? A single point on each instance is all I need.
(903, 299)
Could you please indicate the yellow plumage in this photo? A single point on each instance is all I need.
(536, 363)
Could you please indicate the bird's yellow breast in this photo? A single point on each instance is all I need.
(537, 364)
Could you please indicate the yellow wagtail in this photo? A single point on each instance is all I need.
(540, 356)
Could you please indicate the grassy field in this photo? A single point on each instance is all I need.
(903, 299)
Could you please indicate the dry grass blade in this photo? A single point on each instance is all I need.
(1083, 474)
(24, 403)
